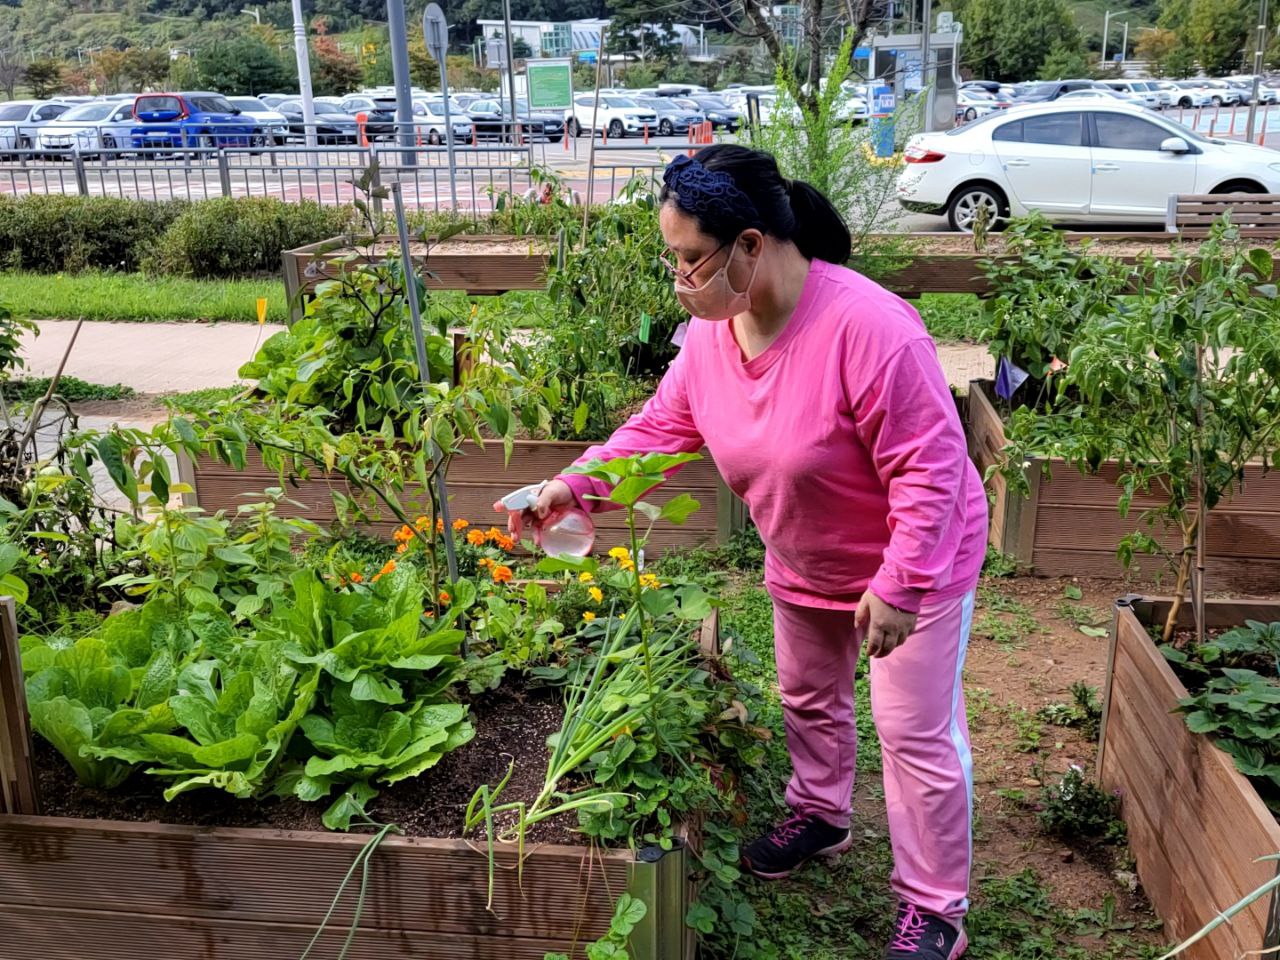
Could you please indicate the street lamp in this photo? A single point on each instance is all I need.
(255, 12)
(303, 57)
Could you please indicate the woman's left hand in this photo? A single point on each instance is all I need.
(884, 627)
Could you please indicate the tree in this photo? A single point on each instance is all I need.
(333, 72)
(1216, 32)
(44, 77)
(1062, 63)
(1180, 63)
(1155, 46)
(147, 67)
(108, 70)
(11, 70)
(75, 80)
(1013, 39)
(245, 65)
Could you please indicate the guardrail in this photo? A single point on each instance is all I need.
(323, 174)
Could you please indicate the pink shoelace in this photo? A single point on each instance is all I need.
(910, 929)
(787, 831)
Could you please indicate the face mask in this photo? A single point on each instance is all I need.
(716, 299)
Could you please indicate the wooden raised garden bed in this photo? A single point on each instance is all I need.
(75, 889)
(479, 265)
(476, 479)
(1196, 825)
(1070, 526)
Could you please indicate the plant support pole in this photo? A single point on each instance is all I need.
(420, 347)
(591, 157)
(1257, 71)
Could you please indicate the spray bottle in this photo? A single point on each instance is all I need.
(566, 531)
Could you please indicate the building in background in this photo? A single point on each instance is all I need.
(550, 38)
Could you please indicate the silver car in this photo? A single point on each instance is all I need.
(20, 121)
(91, 128)
(272, 121)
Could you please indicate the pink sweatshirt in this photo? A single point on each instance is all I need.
(843, 439)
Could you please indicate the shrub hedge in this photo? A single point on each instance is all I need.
(223, 238)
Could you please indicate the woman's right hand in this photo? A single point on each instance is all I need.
(554, 494)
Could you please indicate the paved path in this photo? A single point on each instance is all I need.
(175, 357)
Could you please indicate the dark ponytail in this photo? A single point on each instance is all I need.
(760, 198)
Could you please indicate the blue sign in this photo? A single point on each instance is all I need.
(587, 56)
(883, 102)
(862, 53)
(1119, 57)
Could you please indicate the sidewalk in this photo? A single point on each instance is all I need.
(175, 357)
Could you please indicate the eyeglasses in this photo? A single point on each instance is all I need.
(687, 275)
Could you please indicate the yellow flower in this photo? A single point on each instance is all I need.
(461, 524)
(627, 564)
(484, 563)
(649, 581)
(585, 577)
(476, 538)
(596, 594)
(588, 616)
(620, 554)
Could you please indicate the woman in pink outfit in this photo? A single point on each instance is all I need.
(820, 397)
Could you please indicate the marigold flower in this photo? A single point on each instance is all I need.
(596, 594)
(502, 574)
(422, 523)
(649, 581)
(585, 577)
(403, 535)
(505, 543)
(439, 524)
(620, 554)
(402, 548)
(588, 616)
(356, 576)
(484, 563)
(493, 533)
(461, 524)
(476, 538)
(444, 596)
(627, 564)
(387, 567)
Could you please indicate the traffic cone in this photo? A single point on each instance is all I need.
(361, 120)
(646, 133)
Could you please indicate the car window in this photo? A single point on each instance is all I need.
(1119, 132)
(211, 104)
(124, 113)
(14, 111)
(1007, 132)
(154, 104)
(1039, 90)
(619, 102)
(89, 111)
(52, 111)
(1059, 129)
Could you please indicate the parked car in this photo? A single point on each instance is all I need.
(1075, 162)
(89, 129)
(1136, 91)
(273, 100)
(380, 114)
(1183, 97)
(717, 110)
(618, 116)
(1047, 90)
(21, 120)
(333, 127)
(491, 119)
(993, 87)
(1105, 95)
(1266, 94)
(974, 102)
(1220, 92)
(201, 119)
(429, 121)
(673, 117)
(272, 121)
(1163, 97)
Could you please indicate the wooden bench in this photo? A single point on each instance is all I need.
(1256, 214)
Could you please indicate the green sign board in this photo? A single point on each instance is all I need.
(550, 84)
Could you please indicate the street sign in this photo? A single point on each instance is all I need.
(550, 84)
(587, 56)
(435, 31)
(495, 53)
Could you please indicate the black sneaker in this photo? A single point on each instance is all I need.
(925, 936)
(791, 843)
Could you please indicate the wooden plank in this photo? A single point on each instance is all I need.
(1243, 575)
(1229, 534)
(17, 778)
(1196, 824)
(68, 933)
(262, 875)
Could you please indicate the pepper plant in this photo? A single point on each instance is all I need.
(1180, 386)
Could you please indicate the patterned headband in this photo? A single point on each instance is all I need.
(699, 190)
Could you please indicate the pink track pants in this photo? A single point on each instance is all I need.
(918, 704)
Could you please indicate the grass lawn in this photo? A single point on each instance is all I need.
(133, 297)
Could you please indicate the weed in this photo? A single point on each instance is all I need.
(1084, 618)
(992, 598)
(952, 316)
(1026, 729)
(999, 564)
(1084, 712)
(205, 398)
(72, 389)
(1075, 809)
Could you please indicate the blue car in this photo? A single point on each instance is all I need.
(169, 121)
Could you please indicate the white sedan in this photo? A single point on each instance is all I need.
(1075, 162)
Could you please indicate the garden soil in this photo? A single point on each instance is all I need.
(512, 727)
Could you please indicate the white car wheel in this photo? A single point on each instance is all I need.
(966, 204)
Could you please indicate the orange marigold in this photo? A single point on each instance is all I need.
(422, 523)
(356, 576)
(484, 563)
(476, 538)
(504, 543)
(502, 574)
(387, 567)
(461, 524)
(403, 535)
(444, 597)
(439, 524)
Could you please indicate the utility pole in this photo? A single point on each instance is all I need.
(1124, 44)
(303, 56)
(399, 39)
(511, 73)
(928, 80)
(1257, 70)
(1106, 31)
